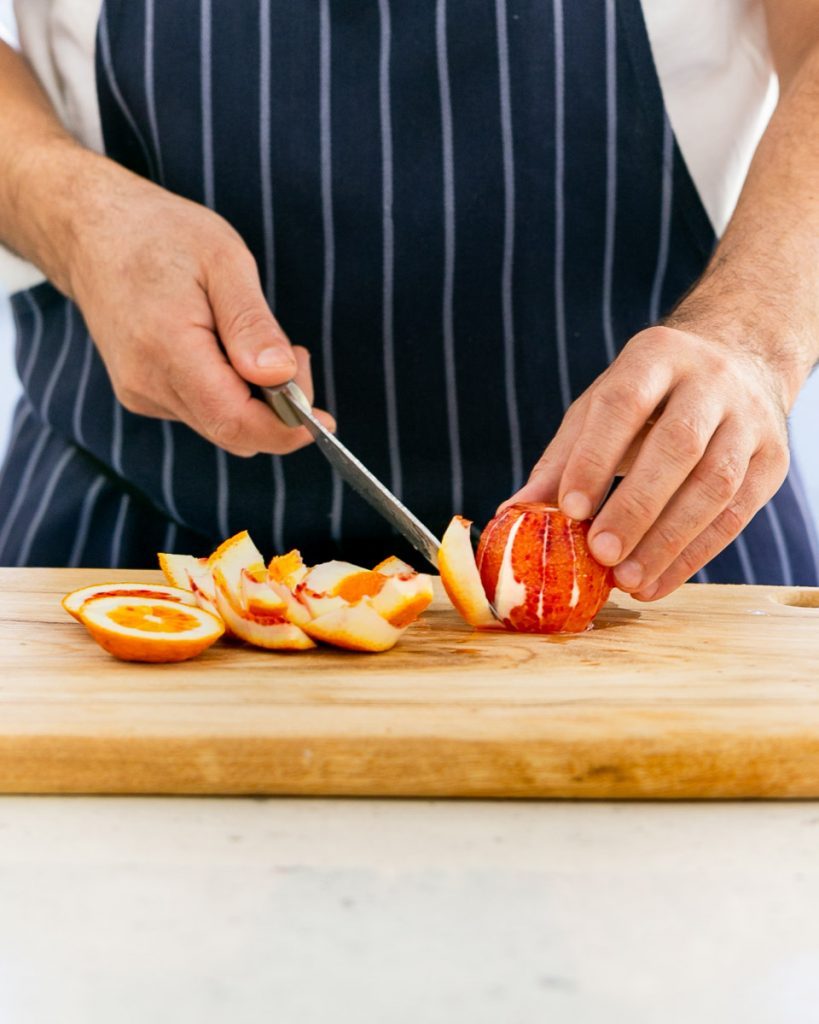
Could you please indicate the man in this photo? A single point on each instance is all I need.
(474, 215)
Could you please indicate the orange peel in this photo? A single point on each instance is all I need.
(273, 633)
(460, 576)
(356, 627)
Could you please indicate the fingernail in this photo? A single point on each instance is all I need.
(629, 575)
(606, 548)
(576, 505)
(272, 357)
(649, 591)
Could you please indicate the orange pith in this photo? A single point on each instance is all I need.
(151, 618)
(362, 584)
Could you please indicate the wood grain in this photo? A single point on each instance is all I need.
(713, 692)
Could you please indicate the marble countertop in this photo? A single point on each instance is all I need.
(115, 911)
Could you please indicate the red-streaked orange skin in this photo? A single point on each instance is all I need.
(548, 573)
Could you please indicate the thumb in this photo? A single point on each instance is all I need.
(255, 344)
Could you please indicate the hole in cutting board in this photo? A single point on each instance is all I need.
(800, 599)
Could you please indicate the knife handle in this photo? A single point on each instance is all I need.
(281, 400)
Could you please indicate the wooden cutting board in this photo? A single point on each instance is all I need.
(713, 692)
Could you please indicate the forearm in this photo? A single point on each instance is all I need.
(48, 181)
(761, 288)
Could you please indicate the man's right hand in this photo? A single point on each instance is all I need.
(170, 292)
(161, 282)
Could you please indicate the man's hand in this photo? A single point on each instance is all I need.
(169, 291)
(696, 409)
(699, 429)
(162, 282)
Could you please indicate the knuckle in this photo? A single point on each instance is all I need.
(681, 439)
(621, 395)
(638, 505)
(691, 559)
(247, 321)
(226, 432)
(670, 538)
(731, 521)
(780, 460)
(722, 478)
(589, 462)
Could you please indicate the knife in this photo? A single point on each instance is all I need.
(290, 404)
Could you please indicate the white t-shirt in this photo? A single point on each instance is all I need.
(712, 59)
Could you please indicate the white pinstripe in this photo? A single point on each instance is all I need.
(779, 543)
(667, 172)
(82, 387)
(206, 84)
(453, 424)
(277, 466)
(116, 438)
(119, 528)
(388, 236)
(86, 514)
(150, 98)
(268, 222)
(744, 556)
(59, 364)
(325, 129)
(560, 212)
(150, 104)
(22, 414)
(265, 155)
(206, 108)
(18, 335)
(516, 454)
(169, 541)
(34, 351)
(611, 177)
(795, 482)
(222, 493)
(22, 491)
(167, 469)
(107, 63)
(43, 505)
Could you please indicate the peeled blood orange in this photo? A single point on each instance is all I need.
(533, 565)
(537, 570)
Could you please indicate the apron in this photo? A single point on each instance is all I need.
(463, 209)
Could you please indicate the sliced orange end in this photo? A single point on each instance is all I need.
(149, 629)
(73, 602)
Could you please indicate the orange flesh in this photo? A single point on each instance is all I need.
(363, 584)
(283, 566)
(152, 619)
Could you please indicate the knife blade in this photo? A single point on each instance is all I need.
(290, 404)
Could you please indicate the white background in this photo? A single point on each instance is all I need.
(804, 422)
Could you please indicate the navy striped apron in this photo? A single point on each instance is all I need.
(463, 209)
